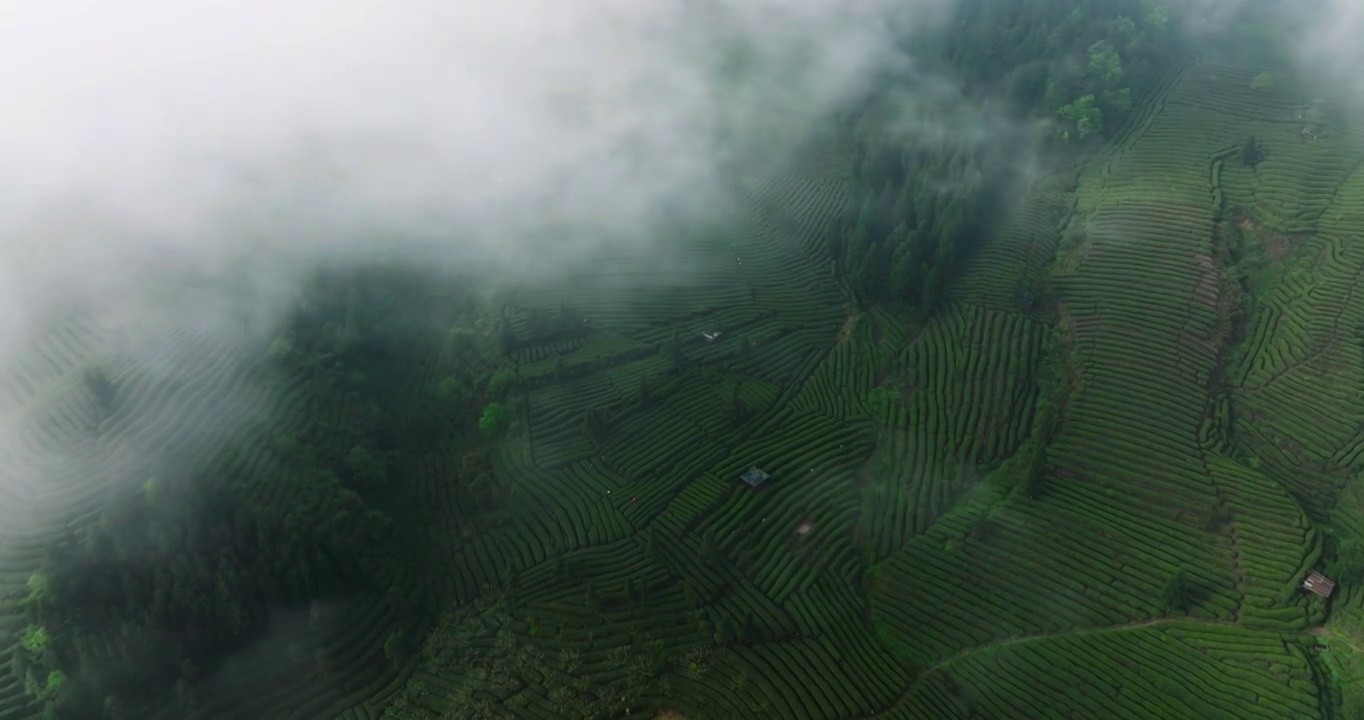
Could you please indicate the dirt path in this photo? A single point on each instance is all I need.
(845, 330)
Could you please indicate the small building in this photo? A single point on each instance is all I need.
(1319, 584)
(754, 476)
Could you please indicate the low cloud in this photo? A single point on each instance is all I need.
(1319, 38)
(154, 144)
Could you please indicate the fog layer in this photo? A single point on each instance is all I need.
(152, 141)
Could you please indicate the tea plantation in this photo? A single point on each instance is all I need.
(1101, 504)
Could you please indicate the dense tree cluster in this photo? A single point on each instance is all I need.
(924, 186)
(187, 568)
(1076, 61)
(172, 578)
(920, 210)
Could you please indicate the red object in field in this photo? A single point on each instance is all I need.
(634, 500)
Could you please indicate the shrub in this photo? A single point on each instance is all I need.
(37, 589)
(1252, 152)
(1175, 595)
(1350, 560)
(450, 388)
(878, 399)
(34, 640)
(55, 680)
(499, 383)
(493, 419)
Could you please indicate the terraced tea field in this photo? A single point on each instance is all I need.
(894, 564)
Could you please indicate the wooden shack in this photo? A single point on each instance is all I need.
(1320, 584)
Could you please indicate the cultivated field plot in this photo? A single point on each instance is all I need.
(648, 552)
(883, 568)
(638, 543)
(1136, 474)
(1298, 385)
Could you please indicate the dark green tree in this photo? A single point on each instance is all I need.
(1350, 560)
(366, 471)
(749, 632)
(1252, 152)
(507, 337)
(102, 390)
(493, 420)
(675, 358)
(737, 406)
(1083, 117)
(1174, 596)
(725, 634)
(1037, 473)
(499, 383)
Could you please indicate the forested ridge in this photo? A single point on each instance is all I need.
(1079, 62)
(1029, 386)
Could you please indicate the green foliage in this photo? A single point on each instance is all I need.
(1174, 595)
(998, 565)
(34, 640)
(493, 420)
(226, 551)
(500, 383)
(1217, 518)
(151, 491)
(591, 597)
(1119, 100)
(1349, 560)
(1252, 152)
(738, 406)
(395, 648)
(922, 207)
(1156, 16)
(1105, 65)
(366, 471)
(984, 529)
(1035, 482)
(326, 542)
(280, 349)
(101, 389)
(52, 685)
(673, 351)
(1083, 115)
(451, 388)
(1048, 57)
(871, 577)
(878, 399)
(464, 342)
(37, 589)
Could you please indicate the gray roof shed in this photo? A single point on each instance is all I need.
(754, 476)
